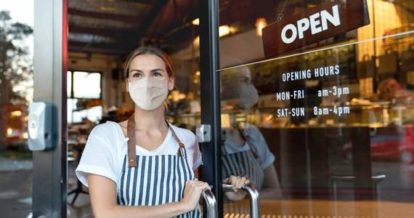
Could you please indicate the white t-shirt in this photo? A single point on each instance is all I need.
(107, 146)
(256, 139)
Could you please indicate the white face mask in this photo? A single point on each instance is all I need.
(148, 94)
(248, 96)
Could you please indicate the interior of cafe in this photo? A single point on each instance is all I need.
(336, 115)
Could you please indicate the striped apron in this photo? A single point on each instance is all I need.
(244, 163)
(155, 180)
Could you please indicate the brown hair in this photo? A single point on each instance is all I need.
(152, 51)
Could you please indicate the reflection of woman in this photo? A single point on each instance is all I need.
(245, 152)
(143, 166)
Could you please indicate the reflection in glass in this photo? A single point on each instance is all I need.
(245, 152)
(337, 115)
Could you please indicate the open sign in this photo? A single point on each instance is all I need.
(313, 25)
(316, 23)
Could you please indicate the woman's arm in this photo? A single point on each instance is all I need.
(271, 185)
(103, 198)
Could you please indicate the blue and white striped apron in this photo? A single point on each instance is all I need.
(241, 164)
(156, 180)
(244, 163)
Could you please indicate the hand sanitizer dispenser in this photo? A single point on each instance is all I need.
(42, 126)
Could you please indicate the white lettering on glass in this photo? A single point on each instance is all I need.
(317, 23)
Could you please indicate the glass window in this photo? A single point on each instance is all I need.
(69, 83)
(86, 84)
(84, 96)
(76, 113)
(325, 129)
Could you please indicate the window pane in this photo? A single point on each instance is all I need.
(332, 122)
(86, 85)
(69, 83)
(76, 115)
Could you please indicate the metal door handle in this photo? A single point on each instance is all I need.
(254, 198)
(211, 204)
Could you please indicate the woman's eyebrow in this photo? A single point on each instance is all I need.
(136, 70)
(140, 71)
(157, 69)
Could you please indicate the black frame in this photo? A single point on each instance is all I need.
(210, 96)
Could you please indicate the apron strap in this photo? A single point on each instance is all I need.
(131, 141)
(223, 149)
(181, 147)
(245, 138)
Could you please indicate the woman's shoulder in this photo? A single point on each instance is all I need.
(251, 130)
(251, 127)
(106, 130)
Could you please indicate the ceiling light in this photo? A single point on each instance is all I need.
(225, 30)
(260, 24)
(9, 132)
(16, 113)
(196, 22)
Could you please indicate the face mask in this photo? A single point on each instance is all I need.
(148, 94)
(248, 96)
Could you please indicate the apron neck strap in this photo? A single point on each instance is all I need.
(132, 143)
(181, 145)
(246, 139)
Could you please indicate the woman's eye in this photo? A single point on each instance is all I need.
(137, 75)
(157, 74)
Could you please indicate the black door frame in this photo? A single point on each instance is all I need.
(210, 96)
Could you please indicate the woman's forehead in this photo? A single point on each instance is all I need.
(147, 62)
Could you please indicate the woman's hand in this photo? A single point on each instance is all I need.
(237, 183)
(192, 193)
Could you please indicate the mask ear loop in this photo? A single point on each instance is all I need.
(131, 141)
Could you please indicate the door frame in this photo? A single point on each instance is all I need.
(210, 96)
(49, 84)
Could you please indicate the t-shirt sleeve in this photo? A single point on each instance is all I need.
(266, 158)
(197, 158)
(193, 150)
(98, 158)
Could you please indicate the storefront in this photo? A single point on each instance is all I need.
(318, 92)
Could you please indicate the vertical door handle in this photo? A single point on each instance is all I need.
(254, 198)
(211, 204)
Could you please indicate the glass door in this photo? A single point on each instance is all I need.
(316, 106)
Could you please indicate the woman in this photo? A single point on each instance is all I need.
(144, 166)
